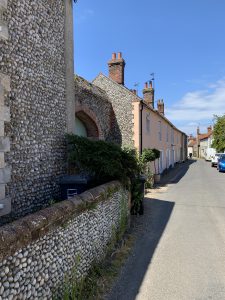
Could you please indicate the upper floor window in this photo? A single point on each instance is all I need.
(148, 124)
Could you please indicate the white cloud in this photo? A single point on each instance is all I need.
(198, 107)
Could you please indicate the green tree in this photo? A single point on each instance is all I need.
(219, 134)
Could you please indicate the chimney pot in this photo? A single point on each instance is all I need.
(150, 84)
(119, 55)
(114, 56)
(146, 85)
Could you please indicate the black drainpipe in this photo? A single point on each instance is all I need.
(141, 117)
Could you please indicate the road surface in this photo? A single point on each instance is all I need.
(180, 249)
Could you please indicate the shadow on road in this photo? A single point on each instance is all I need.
(174, 175)
(148, 230)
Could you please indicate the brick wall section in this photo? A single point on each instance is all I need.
(33, 57)
(38, 251)
(93, 105)
(121, 99)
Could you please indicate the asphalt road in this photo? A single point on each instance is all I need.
(180, 249)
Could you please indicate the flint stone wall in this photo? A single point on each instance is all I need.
(95, 102)
(38, 251)
(121, 99)
(32, 54)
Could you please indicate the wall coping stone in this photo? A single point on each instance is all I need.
(26, 230)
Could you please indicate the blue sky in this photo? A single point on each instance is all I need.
(182, 42)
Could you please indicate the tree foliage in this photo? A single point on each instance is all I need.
(219, 134)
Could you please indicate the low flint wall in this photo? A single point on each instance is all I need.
(38, 251)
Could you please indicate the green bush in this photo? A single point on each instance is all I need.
(106, 161)
(102, 160)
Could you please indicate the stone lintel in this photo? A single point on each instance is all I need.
(5, 206)
(5, 175)
(5, 82)
(4, 144)
(2, 129)
(4, 113)
(2, 192)
(2, 95)
(4, 34)
(3, 4)
(2, 160)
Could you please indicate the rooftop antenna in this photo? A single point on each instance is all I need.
(153, 79)
(136, 85)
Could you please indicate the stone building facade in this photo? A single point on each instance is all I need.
(35, 58)
(95, 117)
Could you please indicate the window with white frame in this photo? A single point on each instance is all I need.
(148, 123)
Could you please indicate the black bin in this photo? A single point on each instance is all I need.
(72, 185)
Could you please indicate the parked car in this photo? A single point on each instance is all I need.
(215, 158)
(221, 163)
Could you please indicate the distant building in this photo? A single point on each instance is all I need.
(192, 146)
(205, 142)
(199, 146)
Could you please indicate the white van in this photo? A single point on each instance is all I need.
(210, 152)
(215, 158)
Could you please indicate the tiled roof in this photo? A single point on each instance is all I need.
(192, 143)
(205, 135)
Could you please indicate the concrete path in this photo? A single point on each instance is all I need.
(180, 248)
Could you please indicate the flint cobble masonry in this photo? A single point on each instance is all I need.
(38, 251)
(33, 57)
(121, 99)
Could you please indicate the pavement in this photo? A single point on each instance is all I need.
(179, 253)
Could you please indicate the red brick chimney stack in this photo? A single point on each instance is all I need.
(148, 94)
(116, 68)
(209, 129)
(160, 106)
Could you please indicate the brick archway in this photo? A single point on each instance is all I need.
(90, 121)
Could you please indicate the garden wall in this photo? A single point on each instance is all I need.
(38, 251)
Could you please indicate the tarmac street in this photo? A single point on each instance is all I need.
(179, 253)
